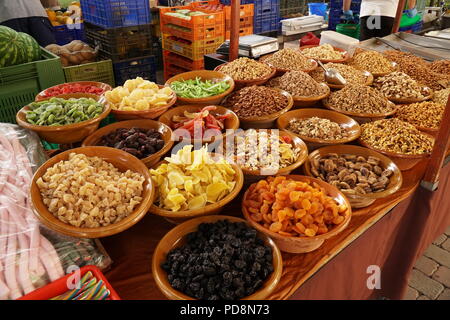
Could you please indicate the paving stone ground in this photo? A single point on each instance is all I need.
(430, 278)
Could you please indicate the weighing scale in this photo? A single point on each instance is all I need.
(252, 46)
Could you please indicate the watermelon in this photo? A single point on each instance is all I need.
(17, 47)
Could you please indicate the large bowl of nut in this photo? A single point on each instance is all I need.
(247, 72)
(372, 61)
(91, 192)
(319, 127)
(400, 88)
(258, 107)
(425, 116)
(289, 59)
(349, 73)
(398, 140)
(362, 174)
(325, 53)
(299, 213)
(305, 91)
(261, 153)
(361, 102)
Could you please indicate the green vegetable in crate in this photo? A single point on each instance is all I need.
(197, 88)
(60, 112)
(17, 47)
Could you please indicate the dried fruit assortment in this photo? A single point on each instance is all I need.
(256, 101)
(352, 174)
(293, 208)
(192, 179)
(263, 149)
(397, 136)
(141, 143)
(220, 261)
(67, 88)
(317, 128)
(424, 114)
(298, 84)
(362, 99)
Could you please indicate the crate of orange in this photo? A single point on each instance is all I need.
(179, 22)
(182, 62)
(297, 212)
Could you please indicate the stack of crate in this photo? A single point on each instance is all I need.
(121, 29)
(266, 14)
(336, 12)
(292, 8)
(186, 41)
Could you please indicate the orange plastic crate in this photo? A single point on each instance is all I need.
(244, 22)
(242, 32)
(195, 50)
(201, 27)
(183, 62)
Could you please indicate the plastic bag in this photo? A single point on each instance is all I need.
(31, 255)
(309, 39)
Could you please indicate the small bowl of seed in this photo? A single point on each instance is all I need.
(319, 127)
(361, 174)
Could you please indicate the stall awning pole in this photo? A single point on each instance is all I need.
(398, 15)
(234, 34)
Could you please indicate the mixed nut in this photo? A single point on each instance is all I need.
(372, 61)
(441, 96)
(323, 52)
(246, 69)
(317, 128)
(399, 85)
(349, 73)
(298, 84)
(424, 114)
(352, 174)
(289, 59)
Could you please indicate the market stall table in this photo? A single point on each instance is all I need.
(390, 233)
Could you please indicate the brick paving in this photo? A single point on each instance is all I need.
(430, 278)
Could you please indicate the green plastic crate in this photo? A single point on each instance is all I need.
(101, 71)
(20, 84)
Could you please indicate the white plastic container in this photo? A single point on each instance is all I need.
(339, 40)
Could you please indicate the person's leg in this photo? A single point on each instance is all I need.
(19, 25)
(41, 29)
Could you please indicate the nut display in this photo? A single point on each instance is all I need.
(299, 84)
(424, 114)
(441, 96)
(397, 136)
(293, 208)
(372, 61)
(324, 52)
(352, 174)
(262, 149)
(400, 85)
(358, 98)
(89, 192)
(350, 74)
(418, 69)
(222, 260)
(256, 101)
(246, 69)
(317, 128)
(141, 143)
(441, 66)
(289, 59)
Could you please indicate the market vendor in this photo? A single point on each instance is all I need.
(377, 16)
(27, 16)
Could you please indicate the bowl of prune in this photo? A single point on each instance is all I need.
(216, 258)
(147, 140)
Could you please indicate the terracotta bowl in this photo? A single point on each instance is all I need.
(251, 176)
(210, 209)
(232, 122)
(304, 102)
(69, 133)
(177, 237)
(247, 83)
(382, 74)
(350, 125)
(146, 114)
(413, 100)
(121, 160)
(361, 117)
(267, 121)
(106, 87)
(204, 75)
(360, 201)
(369, 81)
(304, 244)
(345, 58)
(95, 138)
(403, 161)
(281, 71)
